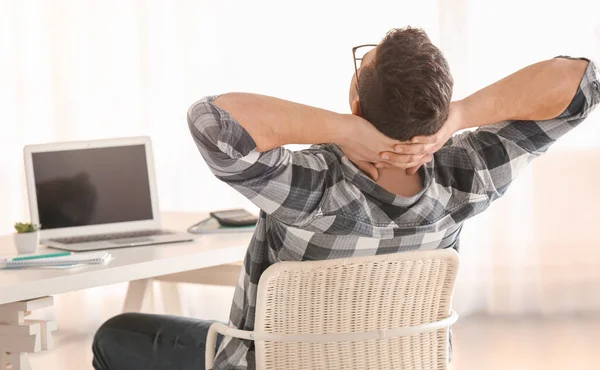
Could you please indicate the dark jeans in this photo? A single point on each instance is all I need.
(135, 341)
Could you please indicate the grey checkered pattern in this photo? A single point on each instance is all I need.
(317, 205)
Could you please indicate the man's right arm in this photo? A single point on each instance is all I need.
(519, 117)
(541, 91)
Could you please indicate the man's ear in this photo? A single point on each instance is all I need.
(355, 107)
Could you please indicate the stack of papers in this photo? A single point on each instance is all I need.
(55, 260)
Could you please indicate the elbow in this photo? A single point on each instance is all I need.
(571, 69)
(571, 72)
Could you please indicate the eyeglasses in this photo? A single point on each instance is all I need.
(359, 52)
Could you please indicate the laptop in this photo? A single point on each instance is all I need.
(98, 194)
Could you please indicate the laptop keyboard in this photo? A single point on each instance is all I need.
(111, 236)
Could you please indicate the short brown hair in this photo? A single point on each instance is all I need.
(406, 91)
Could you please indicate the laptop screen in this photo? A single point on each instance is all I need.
(92, 186)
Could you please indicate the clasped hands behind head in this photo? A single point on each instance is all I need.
(371, 150)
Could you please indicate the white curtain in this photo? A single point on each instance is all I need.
(77, 70)
(536, 250)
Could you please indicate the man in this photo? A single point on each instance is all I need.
(366, 192)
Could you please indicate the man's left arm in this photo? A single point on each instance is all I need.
(273, 122)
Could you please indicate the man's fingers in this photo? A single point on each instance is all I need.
(410, 148)
(383, 165)
(424, 139)
(395, 158)
(417, 161)
(369, 169)
(434, 148)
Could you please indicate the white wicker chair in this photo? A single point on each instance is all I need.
(390, 311)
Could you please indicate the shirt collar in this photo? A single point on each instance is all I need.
(367, 185)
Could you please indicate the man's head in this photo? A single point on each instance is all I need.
(404, 85)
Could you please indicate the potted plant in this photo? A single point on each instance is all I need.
(27, 237)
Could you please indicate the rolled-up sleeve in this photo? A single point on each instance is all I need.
(500, 151)
(228, 149)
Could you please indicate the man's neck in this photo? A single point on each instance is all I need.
(396, 181)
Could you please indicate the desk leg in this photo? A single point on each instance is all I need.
(20, 361)
(136, 291)
(20, 336)
(169, 294)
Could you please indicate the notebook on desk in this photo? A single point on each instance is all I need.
(91, 258)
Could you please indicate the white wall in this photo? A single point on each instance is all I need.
(73, 69)
(94, 69)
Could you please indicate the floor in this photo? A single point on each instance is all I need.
(481, 342)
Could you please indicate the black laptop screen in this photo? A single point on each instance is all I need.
(92, 186)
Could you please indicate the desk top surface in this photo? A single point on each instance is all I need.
(127, 264)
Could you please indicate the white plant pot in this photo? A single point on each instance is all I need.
(27, 242)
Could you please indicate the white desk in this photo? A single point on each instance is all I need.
(128, 264)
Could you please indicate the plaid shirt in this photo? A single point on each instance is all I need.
(317, 205)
